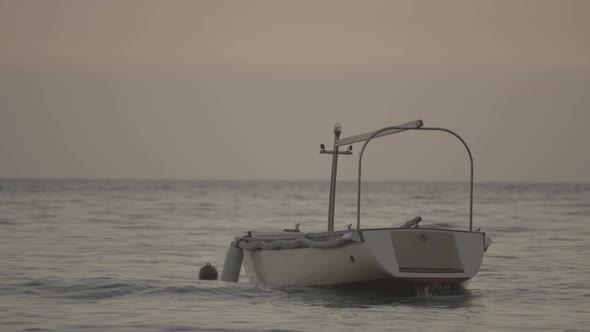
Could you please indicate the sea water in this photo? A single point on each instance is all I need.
(124, 256)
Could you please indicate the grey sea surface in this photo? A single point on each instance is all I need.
(96, 255)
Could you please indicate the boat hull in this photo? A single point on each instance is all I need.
(392, 256)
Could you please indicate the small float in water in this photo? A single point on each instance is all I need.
(362, 258)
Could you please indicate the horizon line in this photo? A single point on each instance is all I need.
(133, 179)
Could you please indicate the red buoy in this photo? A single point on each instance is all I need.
(208, 272)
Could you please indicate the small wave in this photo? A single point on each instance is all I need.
(577, 213)
(92, 289)
(7, 222)
(89, 289)
(560, 239)
(104, 220)
(101, 290)
(217, 289)
(505, 257)
(512, 229)
(297, 197)
(43, 216)
(206, 205)
(441, 225)
(572, 205)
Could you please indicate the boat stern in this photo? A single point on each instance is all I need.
(427, 255)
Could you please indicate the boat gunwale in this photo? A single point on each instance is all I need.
(341, 232)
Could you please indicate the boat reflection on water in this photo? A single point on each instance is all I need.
(425, 296)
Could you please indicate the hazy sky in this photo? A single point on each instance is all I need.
(249, 89)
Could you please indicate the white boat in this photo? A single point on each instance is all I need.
(361, 258)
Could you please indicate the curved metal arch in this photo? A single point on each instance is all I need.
(376, 133)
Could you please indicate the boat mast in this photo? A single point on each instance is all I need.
(335, 152)
(337, 131)
(351, 140)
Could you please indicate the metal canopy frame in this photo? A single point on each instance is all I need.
(367, 137)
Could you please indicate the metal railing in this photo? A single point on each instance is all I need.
(367, 137)
(358, 212)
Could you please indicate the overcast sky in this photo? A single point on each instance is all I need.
(249, 89)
